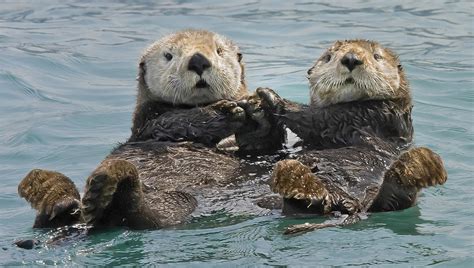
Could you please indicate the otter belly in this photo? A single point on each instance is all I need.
(166, 166)
(212, 177)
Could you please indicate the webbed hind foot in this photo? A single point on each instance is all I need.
(413, 170)
(293, 180)
(418, 167)
(300, 187)
(111, 191)
(53, 195)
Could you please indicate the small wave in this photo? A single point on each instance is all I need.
(29, 90)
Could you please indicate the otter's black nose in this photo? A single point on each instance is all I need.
(350, 61)
(198, 63)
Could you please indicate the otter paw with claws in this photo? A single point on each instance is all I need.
(258, 121)
(230, 109)
(271, 100)
(261, 131)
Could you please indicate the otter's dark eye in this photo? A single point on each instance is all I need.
(219, 51)
(168, 56)
(327, 58)
(377, 56)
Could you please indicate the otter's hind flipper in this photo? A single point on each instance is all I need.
(418, 167)
(338, 219)
(302, 189)
(53, 195)
(414, 169)
(293, 180)
(111, 191)
(114, 197)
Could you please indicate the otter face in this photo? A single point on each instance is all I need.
(192, 67)
(354, 70)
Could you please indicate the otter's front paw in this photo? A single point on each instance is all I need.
(259, 123)
(262, 131)
(230, 109)
(271, 100)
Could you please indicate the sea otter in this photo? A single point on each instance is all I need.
(357, 134)
(188, 85)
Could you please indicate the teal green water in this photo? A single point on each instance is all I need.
(67, 88)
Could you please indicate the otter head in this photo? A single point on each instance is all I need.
(191, 67)
(355, 70)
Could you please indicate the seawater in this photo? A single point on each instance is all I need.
(67, 89)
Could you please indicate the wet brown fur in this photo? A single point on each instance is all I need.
(170, 161)
(357, 155)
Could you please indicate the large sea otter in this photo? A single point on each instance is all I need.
(357, 134)
(188, 85)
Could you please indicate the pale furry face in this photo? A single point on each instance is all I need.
(354, 70)
(169, 78)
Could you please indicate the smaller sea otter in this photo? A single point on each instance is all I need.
(357, 133)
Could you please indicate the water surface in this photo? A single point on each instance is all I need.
(67, 89)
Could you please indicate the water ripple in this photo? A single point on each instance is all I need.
(67, 94)
(28, 89)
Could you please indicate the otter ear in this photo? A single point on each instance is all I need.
(337, 45)
(239, 56)
(141, 70)
(142, 67)
(400, 67)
